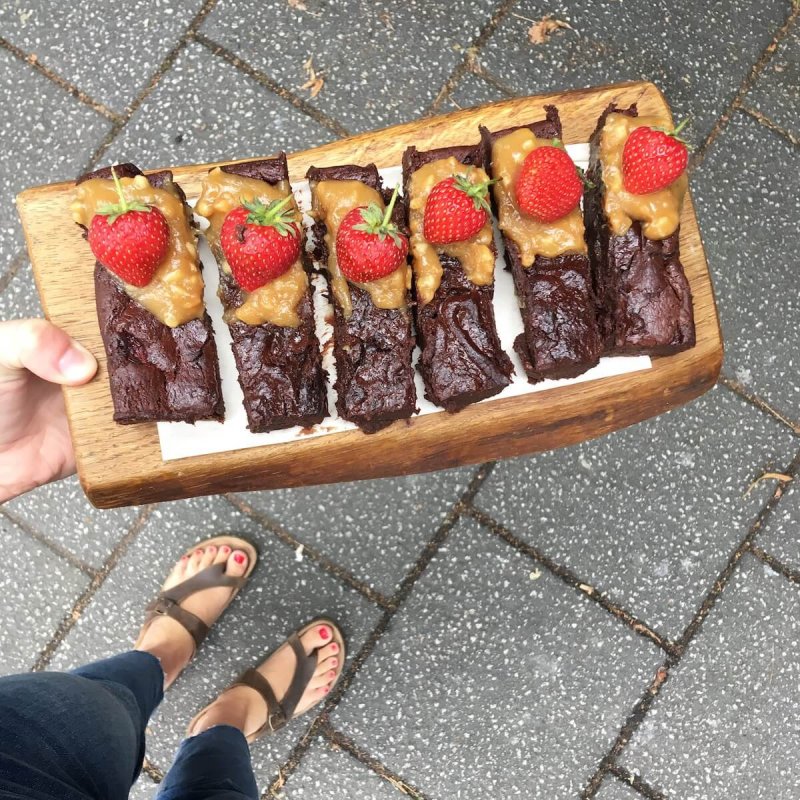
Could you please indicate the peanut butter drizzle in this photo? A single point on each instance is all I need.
(475, 254)
(175, 294)
(659, 212)
(532, 237)
(331, 202)
(277, 300)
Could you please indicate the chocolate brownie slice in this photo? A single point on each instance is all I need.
(156, 372)
(279, 366)
(462, 360)
(372, 346)
(643, 298)
(560, 338)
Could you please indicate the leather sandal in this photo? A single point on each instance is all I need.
(281, 712)
(168, 602)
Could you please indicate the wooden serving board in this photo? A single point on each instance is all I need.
(121, 465)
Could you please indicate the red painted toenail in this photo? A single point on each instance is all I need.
(327, 689)
(184, 558)
(198, 552)
(225, 549)
(324, 633)
(239, 558)
(334, 648)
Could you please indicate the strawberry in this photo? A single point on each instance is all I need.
(652, 159)
(549, 185)
(260, 242)
(129, 238)
(456, 210)
(368, 245)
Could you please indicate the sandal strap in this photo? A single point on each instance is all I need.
(276, 717)
(303, 673)
(167, 603)
(279, 713)
(164, 606)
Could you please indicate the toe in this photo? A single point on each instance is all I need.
(195, 560)
(209, 554)
(326, 652)
(223, 553)
(317, 637)
(328, 665)
(237, 563)
(319, 681)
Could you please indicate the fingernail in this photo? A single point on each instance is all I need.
(324, 633)
(77, 363)
(239, 558)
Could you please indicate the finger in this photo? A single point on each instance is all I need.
(45, 350)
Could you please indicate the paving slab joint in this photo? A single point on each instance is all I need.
(762, 405)
(82, 603)
(746, 85)
(267, 82)
(767, 122)
(83, 97)
(54, 547)
(341, 742)
(470, 56)
(776, 564)
(311, 553)
(634, 781)
(567, 576)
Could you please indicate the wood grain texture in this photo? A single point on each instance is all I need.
(121, 465)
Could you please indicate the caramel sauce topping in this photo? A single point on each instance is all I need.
(475, 254)
(175, 294)
(277, 300)
(331, 202)
(532, 237)
(659, 212)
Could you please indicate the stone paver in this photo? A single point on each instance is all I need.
(697, 53)
(283, 595)
(613, 789)
(206, 110)
(143, 789)
(108, 49)
(472, 90)
(374, 528)
(325, 774)
(777, 91)
(61, 511)
(750, 229)
(781, 534)
(725, 724)
(649, 514)
(38, 590)
(37, 117)
(20, 298)
(383, 62)
(488, 678)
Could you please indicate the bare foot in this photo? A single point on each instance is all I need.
(245, 709)
(167, 639)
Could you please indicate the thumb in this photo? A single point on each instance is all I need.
(45, 350)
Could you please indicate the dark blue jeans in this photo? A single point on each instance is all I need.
(80, 736)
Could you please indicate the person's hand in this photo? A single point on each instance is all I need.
(35, 446)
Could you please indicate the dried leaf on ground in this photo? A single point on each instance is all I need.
(315, 80)
(541, 30)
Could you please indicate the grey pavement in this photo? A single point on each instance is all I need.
(615, 620)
